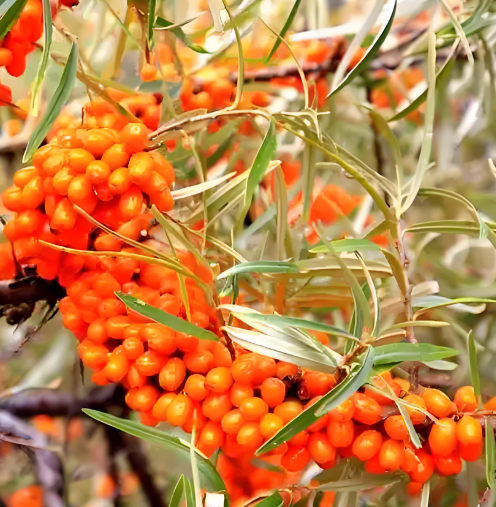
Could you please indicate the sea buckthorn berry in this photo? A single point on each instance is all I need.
(130, 205)
(141, 168)
(424, 467)
(253, 409)
(321, 422)
(77, 158)
(97, 172)
(416, 416)
(437, 403)
(270, 424)
(340, 433)
(211, 438)
(195, 387)
(64, 217)
(179, 410)
(285, 370)
(162, 405)
(448, 465)
(185, 342)
(200, 361)
(116, 156)
(469, 431)
(273, 391)
(300, 438)
(470, 452)
(250, 435)
(133, 347)
(367, 410)
(222, 356)
(321, 450)
(160, 338)
(150, 363)
(404, 384)
(32, 496)
(288, 410)
(367, 444)
(392, 454)
(343, 412)
(219, 380)
(135, 137)
(465, 399)
(318, 383)
(373, 465)
(443, 437)
(142, 398)
(23, 176)
(172, 375)
(92, 355)
(396, 427)
(296, 458)
(134, 378)
(233, 421)
(119, 181)
(413, 488)
(115, 326)
(240, 392)
(33, 194)
(489, 405)
(118, 366)
(106, 285)
(216, 406)
(97, 142)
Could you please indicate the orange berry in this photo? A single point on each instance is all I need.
(32, 194)
(253, 409)
(270, 424)
(442, 438)
(195, 387)
(318, 383)
(373, 465)
(340, 433)
(142, 398)
(135, 137)
(115, 326)
(437, 403)
(367, 444)
(233, 421)
(162, 405)
(416, 416)
(321, 450)
(469, 431)
(211, 438)
(250, 435)
(392, 454)
(465, 399)
(133, 347)
(219, 380)
(172, 375)
(119, 181)
(490, 404)
(413, 488)
(97, 142)
(448, 465)
(116, 156)
(288, 410)
(424, 467)
(199, 361)
(216, 406)
(343, 412)
(396, 427)
(286, 370)
(117, 367)
(179, 410)
(240, 392)
(32, 496)
(470, 452)
(150, 363)
(295, 458)
(148, 72)
(64, 217)
(160, 338)
(367, 410)
(273, 391)
(97, 172)
(78, 159)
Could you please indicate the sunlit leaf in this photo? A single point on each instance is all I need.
(177, 494)
(399, 352)
(490, 454)
(371, 51)
(60, 97)
(278, 267)
(461, 304)
(284, 30)
(200, 188)
(210, 478)
(152, 7)
(474, 367)
(175, 323)
(40, 75)
(439, 364)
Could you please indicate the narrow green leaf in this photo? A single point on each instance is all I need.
(418, 323)
(285, 28)
(178, 32)
(260, 165)
(152, 7)
(459, 30)
(397, 270)
(10, 17)
(355, 379)
(189, 493)
(474, 366)
(40, 75)
(274, 500)
(283, 321)
(371, 52)
(490, 454)
(431, 302)
(347, 245)
(426, 491)
(399, 352)
(60, 97)
(426, 148)
(177, 494)
(278, 267)
(439, 364)
(363, 482)
(406, 417)
(445, 227)
(175, 323)
(211, 479)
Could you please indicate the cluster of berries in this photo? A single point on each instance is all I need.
(103, 171)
